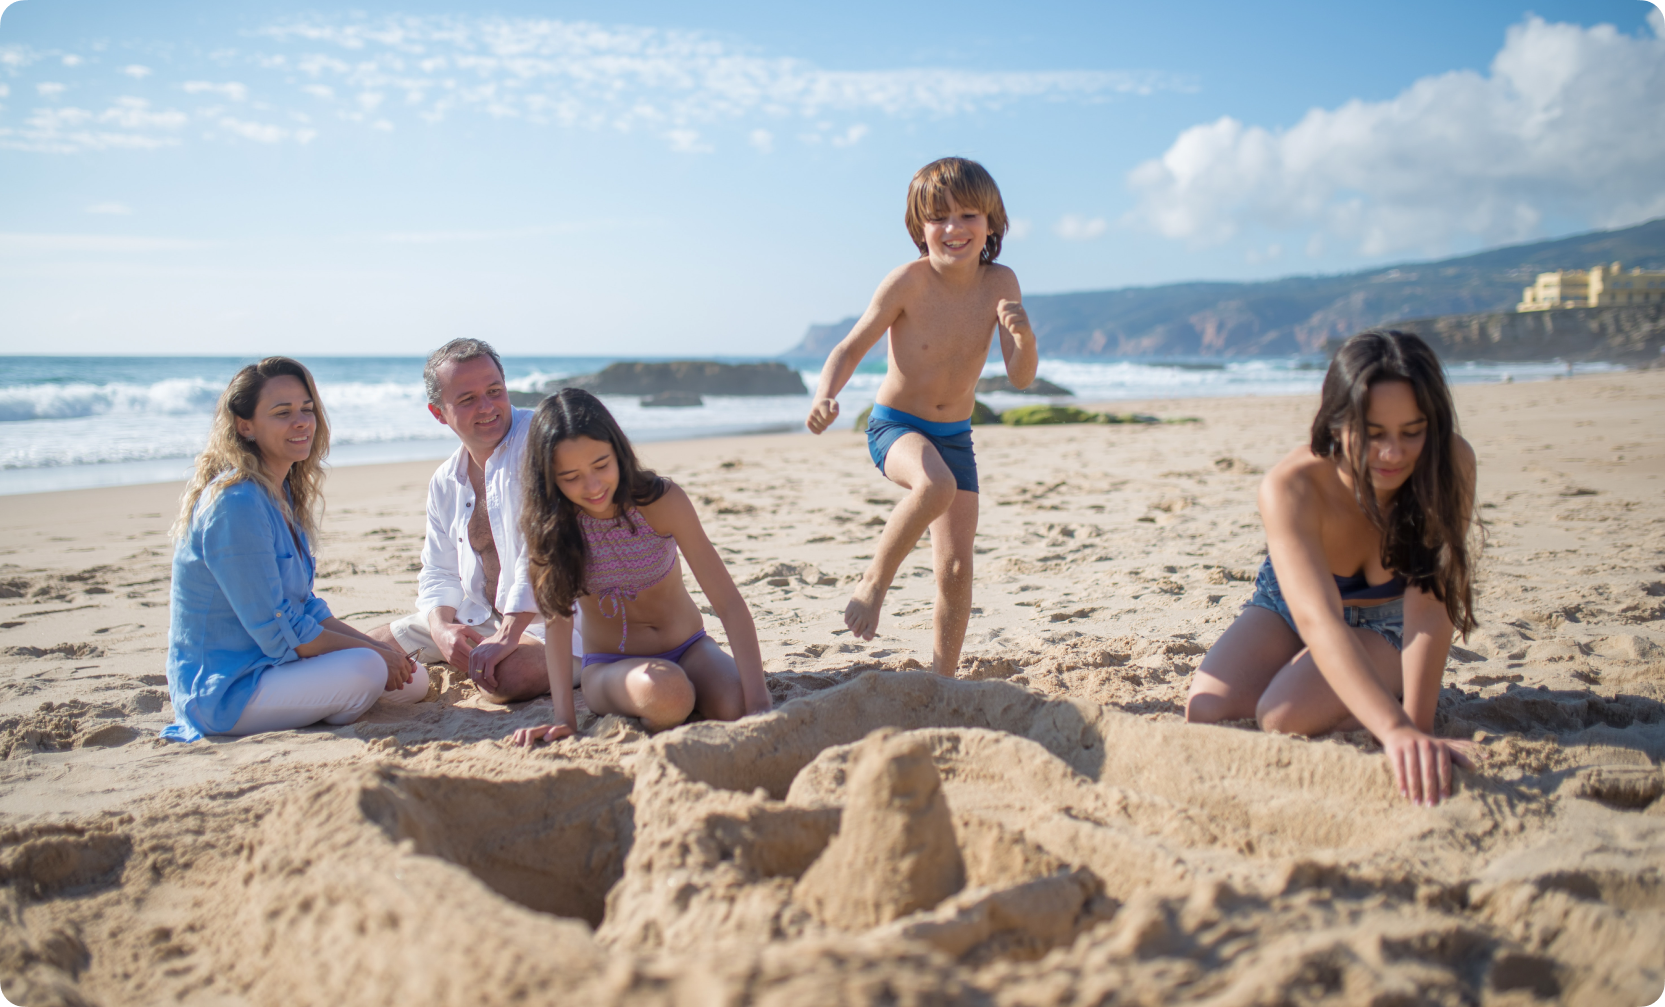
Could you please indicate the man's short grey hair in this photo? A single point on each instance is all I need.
(455, 352)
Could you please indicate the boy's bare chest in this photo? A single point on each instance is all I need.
(946, 323)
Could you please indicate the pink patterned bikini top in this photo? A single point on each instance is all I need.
(624, 562)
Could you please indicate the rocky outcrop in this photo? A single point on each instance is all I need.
(1625, 335)
(1001, 383)
(686, 377)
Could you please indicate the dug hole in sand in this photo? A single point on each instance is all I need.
(899, 839)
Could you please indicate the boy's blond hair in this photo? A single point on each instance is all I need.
(971, 186)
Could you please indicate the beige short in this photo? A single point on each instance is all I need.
(413, 634)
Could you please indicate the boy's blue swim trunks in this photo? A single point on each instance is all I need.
(952, 441)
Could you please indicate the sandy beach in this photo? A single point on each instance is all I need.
(1089, 846)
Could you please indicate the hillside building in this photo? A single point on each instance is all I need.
(1601, 287)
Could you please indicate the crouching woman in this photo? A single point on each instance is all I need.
(251, 648)
(1367, 570)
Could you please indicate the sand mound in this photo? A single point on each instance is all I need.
(983, 845)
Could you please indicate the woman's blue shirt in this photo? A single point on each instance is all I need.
(242, 602)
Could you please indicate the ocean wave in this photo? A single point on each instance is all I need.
(69, 400)
(174, 397)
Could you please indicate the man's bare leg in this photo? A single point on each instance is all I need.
(914, 465)
(952, 536)
(524, 674)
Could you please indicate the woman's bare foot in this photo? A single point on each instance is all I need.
(862, 614)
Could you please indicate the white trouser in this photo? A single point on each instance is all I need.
(335, 688)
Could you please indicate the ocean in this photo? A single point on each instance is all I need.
(74, 422)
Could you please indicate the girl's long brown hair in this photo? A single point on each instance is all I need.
(239, 460)
(1425, 531)
(557, 554)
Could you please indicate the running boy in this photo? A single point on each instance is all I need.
(941, 309)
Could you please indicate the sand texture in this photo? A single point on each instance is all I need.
(1042, 830)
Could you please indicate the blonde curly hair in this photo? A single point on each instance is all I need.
(229, 459)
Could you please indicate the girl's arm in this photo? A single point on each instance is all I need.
(1292, 513)
(842, 362)
(557, 654)
(1427, 644)
(674, 514)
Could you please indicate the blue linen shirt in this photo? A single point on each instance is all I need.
(242, 602)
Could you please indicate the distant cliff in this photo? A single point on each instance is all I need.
(1300, 314)
(1624, 335)
(819, 340)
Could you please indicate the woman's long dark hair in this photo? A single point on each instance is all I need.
(1425, 534)
(557, 553)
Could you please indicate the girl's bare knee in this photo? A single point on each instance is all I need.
(662, 692)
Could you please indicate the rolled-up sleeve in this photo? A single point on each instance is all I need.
(240, 550)
(440, 582)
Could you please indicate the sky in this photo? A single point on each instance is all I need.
(675, 179)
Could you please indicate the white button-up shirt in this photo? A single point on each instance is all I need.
(452, 574)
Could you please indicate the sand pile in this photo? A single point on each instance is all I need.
(1043, 830)
(897, 839)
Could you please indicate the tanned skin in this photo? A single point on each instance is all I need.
(1334, 676)
(941, 311)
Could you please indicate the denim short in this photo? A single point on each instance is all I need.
(1386, 619)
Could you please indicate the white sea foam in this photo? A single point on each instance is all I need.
(72, 423)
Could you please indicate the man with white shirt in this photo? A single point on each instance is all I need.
(475, 607)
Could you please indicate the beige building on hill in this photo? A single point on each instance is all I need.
(1601, 287)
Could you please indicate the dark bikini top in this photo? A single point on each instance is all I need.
(1356, 588)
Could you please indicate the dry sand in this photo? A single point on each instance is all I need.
(1044, 830)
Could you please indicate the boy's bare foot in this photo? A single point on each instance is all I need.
(862, 614)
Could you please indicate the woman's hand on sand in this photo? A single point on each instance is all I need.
(1422, 764)
(821, 415)
(400, 668)
(526, 737)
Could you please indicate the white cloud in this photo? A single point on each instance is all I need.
(71, 59)
(230, 89)
(112, 209)
(581, 74)
(382, 125)
(687, 141)
(1071, 227)
(323, 91)
(851, 136)
(127, 124)
(762, 139)
(1018, 228)
(4, 90)
(136, 71)
(47, 89)
(1566, 121)
(261, 132)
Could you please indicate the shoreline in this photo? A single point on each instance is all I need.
(727, 421)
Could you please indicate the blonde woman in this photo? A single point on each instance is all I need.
(251, 648)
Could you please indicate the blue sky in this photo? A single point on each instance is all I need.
(667, 179)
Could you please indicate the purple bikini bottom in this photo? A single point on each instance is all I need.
(673, 655)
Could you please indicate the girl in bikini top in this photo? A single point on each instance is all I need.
(626, 558)
(604, 533)
(1385, 485)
